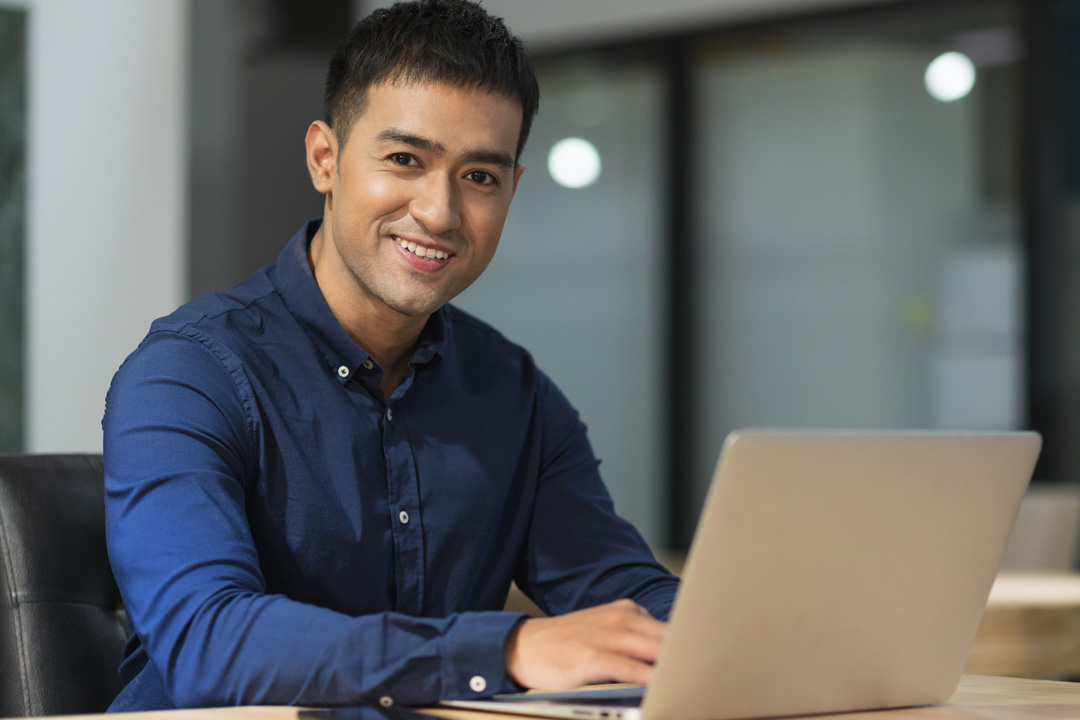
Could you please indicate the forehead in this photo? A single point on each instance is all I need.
(453, 116)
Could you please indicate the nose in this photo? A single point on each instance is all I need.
(437, 205)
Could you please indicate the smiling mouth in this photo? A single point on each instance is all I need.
(427, 253)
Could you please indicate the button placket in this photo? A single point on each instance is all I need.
(406, 527)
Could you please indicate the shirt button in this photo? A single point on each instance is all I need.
(368, 364)
(343, 371)
(386, 701)
(477, 684)
(403, 517)
(389, 414)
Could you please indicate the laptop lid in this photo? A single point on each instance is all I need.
(835, 571)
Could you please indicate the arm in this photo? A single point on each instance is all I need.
(580, 554)
(181, 439)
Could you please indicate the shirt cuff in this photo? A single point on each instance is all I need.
(474, 655)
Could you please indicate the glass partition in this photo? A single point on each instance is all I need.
(861, 261)
(12, 224)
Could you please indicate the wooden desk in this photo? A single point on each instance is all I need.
(1031, 627)
(977, 698)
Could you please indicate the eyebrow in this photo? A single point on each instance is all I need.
(489, 157)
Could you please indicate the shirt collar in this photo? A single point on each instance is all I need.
(301, 295)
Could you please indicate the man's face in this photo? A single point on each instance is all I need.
(417, 198)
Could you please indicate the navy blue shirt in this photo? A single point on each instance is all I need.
(281, 534)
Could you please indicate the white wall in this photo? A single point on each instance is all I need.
(106, 185)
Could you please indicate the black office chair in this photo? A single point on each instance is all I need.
(62, 628)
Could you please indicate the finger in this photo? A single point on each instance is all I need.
(649, 627)
(614, 667)
(641, 647)
(628, 641)
(628, 604)
(642, 624)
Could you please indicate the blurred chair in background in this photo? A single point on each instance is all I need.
(62, 627)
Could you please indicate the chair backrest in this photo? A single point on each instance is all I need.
(62, 629)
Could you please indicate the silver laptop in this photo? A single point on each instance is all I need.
(830, 571)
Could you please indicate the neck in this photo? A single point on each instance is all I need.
(387, 335)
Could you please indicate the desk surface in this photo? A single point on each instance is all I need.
(1031, 627)
(1035, 590)
(977, 698)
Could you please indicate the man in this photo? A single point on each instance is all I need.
(321, 483)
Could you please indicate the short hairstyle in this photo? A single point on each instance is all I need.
(448, 41)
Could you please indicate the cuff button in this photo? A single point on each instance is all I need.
(477, 684)
(386, 701)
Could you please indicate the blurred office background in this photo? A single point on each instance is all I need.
(798, 213)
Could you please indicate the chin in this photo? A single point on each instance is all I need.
(417, 307)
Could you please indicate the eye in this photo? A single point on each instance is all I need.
(403, 159)
(482, 177)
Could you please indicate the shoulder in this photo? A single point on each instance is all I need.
(468, 333)
(227, 325)
(198, 347)
(217, 312)
(479, 347)
(482, 351)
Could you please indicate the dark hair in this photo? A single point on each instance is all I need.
(449, 41)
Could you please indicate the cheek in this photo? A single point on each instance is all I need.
(380, 186)
(374, 197)
(486, 225)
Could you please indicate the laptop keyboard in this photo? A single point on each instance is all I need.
(615, 697)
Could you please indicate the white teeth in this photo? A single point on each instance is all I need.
(421, 251)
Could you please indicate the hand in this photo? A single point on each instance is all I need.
(617, 642)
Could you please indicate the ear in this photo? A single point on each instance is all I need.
(321, 155)
(517, 176)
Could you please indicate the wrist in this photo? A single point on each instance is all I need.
(510, 651)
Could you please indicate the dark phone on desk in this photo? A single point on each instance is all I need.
(362, 712)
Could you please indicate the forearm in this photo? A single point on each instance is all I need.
(192, 583)
(252, 649)
(580, 553)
